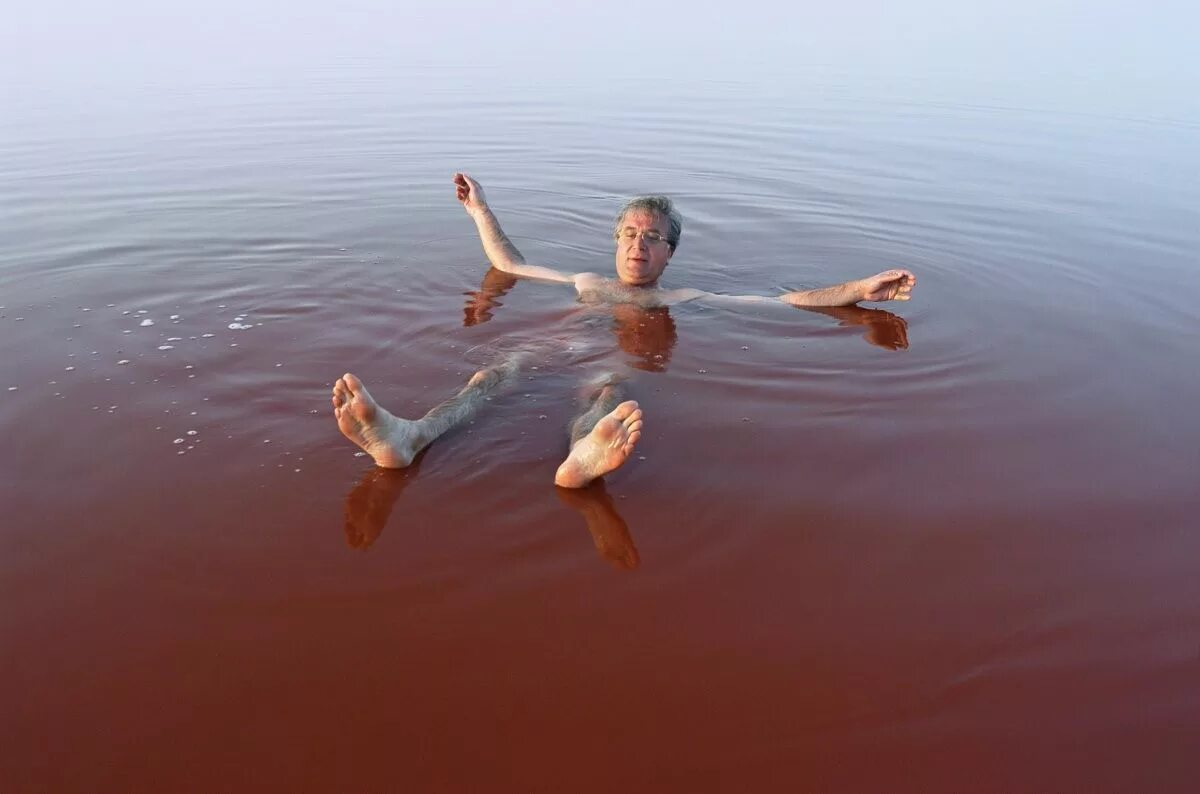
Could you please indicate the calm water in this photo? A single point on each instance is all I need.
(943, 545)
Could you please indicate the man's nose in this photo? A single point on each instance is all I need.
(640, 241)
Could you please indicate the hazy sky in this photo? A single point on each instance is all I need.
(1141, 52)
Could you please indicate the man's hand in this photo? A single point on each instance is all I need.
(890, 285)
(470, 194)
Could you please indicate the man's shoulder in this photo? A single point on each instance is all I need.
(584, 281)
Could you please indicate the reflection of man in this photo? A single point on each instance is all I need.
(646, 334)
(602, 438)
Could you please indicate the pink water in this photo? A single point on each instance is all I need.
(946, 546)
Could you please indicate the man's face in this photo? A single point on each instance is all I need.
(639, 261)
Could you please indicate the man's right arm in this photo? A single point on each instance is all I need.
(499, 249)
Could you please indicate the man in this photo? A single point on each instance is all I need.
(602, 438)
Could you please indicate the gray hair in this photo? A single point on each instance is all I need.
(660, 205)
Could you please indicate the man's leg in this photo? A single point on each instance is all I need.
(393, 442)
(601, 439)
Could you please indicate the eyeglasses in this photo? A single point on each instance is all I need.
(651, 236)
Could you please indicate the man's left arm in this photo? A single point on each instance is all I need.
(886, 286)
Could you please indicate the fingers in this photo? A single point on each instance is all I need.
(467, 189)
(896, 284)
(462, 186)
(896, 274)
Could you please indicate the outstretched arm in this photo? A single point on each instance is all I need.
(886, 286)
(500, 251)
(890, 285)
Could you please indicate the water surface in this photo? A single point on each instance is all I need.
(941, 545)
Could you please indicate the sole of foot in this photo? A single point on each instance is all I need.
(604, 449)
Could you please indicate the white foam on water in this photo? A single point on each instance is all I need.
(12, 388)
(237, 326)
(207, 336)
(69, 369)
(146, 323)
(166, 347)
(178, 441)
(191, 432)
(123, 361)
(174, 316)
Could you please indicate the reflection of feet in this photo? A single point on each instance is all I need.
(609, 531)
(389, 440)
(604, 449)
(370, 504)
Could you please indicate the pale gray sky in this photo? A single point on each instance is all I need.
(1141, 55)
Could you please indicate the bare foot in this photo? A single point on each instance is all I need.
(391, 442)
(604, 449)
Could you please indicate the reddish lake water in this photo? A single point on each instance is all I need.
(943, 545)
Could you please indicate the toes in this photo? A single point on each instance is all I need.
(624, 410)
(353, 384)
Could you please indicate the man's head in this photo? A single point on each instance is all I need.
(647, 233)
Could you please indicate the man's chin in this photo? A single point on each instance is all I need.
(636, 278)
